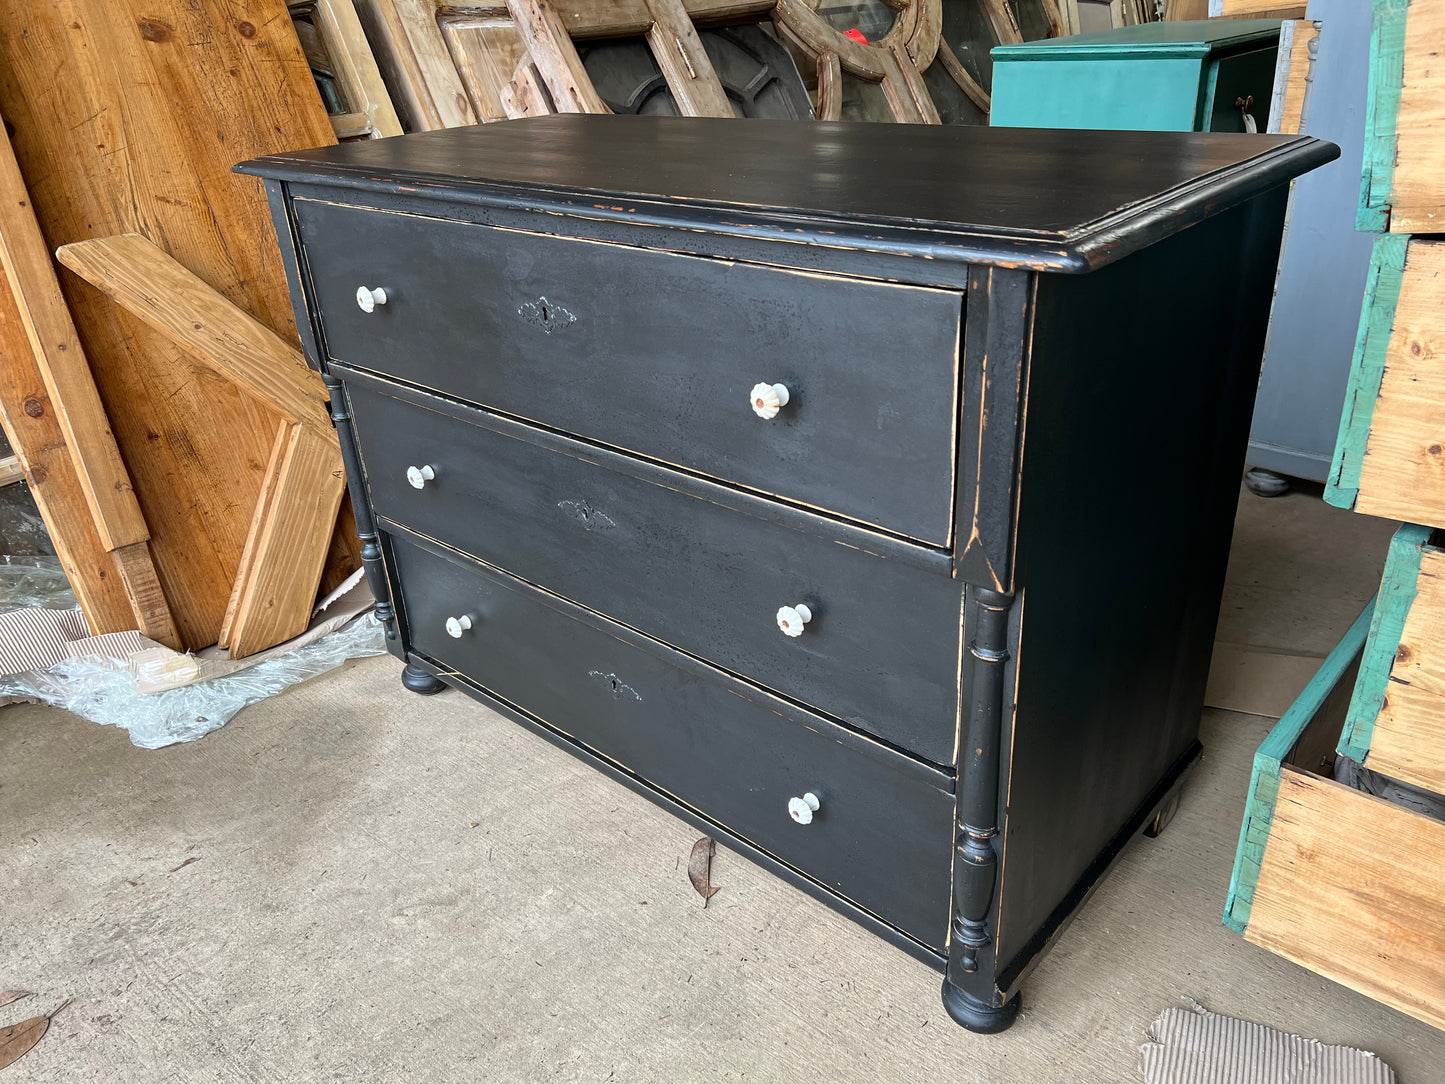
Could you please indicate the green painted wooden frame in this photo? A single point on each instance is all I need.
(1382, 110)
(1367, 367)
(1398, 588)
(1328, 681)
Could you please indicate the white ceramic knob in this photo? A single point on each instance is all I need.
(791, 619)
(420, 476)
(458, 625)
(368, 298)
(768, 399)
(802, 809)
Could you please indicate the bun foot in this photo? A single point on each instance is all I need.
(977, 1016)
(420, 682)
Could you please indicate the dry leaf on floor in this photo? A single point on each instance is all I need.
(7, 996)
(699, 868)
(17, 1039)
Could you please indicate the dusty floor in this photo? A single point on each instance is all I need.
(352, 883)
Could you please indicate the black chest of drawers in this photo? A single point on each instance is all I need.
(860, 493)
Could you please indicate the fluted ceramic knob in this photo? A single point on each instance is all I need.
(368, 297)
(458, 625)
(420, 476)
(791, 619)
(802, 809)
(768, 399)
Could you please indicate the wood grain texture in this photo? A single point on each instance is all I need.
(1402, 474)
(60, 359)
(34, 433)
(355, 67)
(99, 150)
(684, 62)
(416, 63)
(1408, 741)
(1417, 190)
(147, 283)
(1353, 888)
(555, 57)
(10, 470)
(291, 534)
(490, 59)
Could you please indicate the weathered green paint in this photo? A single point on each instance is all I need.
(1398, 588)
(1382, 110)
(1264, 778)
(1367, 367)
(1150, 77)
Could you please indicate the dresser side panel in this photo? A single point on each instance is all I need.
(1142, 381)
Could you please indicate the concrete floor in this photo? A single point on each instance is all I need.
(351, 883)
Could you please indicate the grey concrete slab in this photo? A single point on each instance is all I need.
(393, 888)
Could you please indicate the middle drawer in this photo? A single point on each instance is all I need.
(697, 565)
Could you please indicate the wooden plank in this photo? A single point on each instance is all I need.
(62, 364)
(416, 64)
(60, 359)
(355, 67)
(1402, 473)
(1005, 25)
(556, 57)
(1409, 733)
(966, 82)
(34, 432)
(684, 62)
(10, 470)
(293, 530)
(1184, 10)
(630, 18)
(99, 149)
(917, 102)
(1417, 188)
(489, 54)
(1256, 9)
(1353, 888)
(146, 282)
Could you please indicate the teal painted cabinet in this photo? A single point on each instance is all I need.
(1160, 77)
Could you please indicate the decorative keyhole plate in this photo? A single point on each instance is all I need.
(545, 314)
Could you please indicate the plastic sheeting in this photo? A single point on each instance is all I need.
(34, 582)
(104, 691)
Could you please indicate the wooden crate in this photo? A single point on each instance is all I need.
(1346, 884)
(1390, 456)
(1396, 721)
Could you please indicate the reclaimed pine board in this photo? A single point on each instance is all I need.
(287, 545)
(1298, 43)
(416, 64)
(356, 68)
(1353, 888)
(99, 149)
(57, 354)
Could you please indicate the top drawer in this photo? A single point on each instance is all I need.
(658, 353)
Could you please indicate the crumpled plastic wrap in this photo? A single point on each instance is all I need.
(104, 692)
(34, 583)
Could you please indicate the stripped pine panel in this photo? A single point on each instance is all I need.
(98, 149)
(288, 541)
(356, 69)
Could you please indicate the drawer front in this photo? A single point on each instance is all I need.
(667, 555)
(882, 835)
(658, 354)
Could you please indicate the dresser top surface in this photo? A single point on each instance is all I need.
(1048, 198)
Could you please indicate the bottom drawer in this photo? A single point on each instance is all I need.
(882, 834)
(1346, 884)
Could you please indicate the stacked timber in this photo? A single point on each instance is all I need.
(176, 441)
(1341, 862)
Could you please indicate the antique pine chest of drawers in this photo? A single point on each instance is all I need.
(861, 494)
